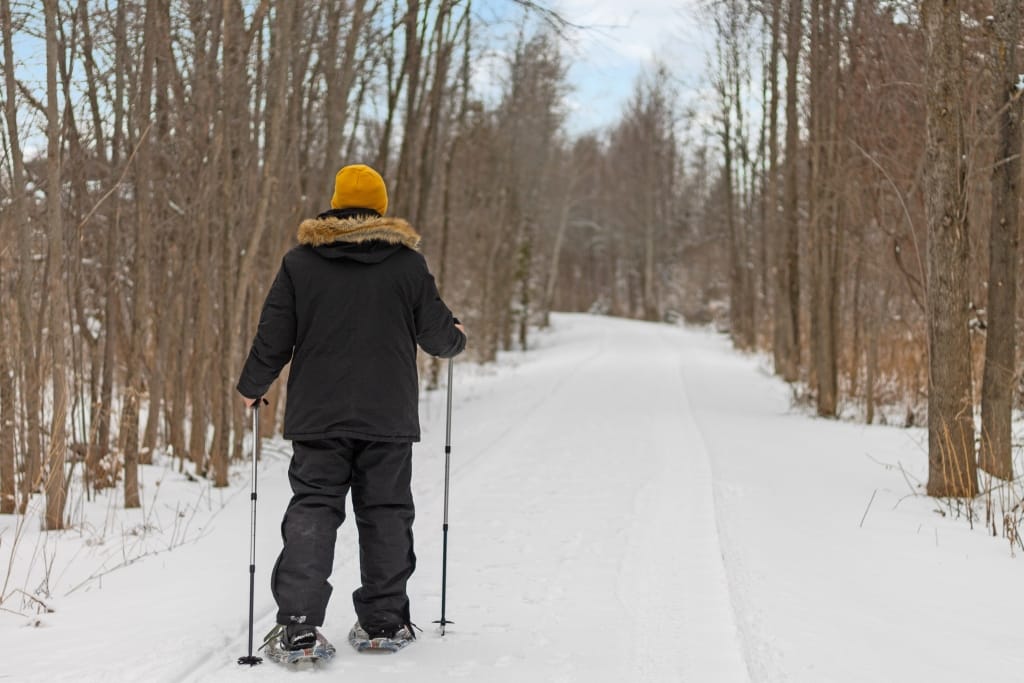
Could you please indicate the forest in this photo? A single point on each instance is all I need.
(842, 195)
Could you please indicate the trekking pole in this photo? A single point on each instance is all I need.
(250, 659)
(447, 471)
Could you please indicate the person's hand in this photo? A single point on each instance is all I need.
(249, 402)
(460, 328)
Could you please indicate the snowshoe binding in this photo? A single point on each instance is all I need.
(297, 644)
(385, 640)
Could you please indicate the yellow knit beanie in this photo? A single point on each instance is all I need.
(359, 187)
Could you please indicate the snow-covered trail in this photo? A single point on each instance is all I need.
(631, 502)
(841, 570)
(583, 541)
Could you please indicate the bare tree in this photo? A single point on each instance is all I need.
(825, 214)
(1000, 373)
(773, 246)
(139, 129)
(18, 217)
(30, 386)
(951, 463)
(55, 477)
(730, 23)
(787, 295)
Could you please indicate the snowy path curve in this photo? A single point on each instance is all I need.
(584, 544)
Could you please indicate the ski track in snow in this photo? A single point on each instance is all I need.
(674, 516)
(582, 543)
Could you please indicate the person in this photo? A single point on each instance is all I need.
(348, 307)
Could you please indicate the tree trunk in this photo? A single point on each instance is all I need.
(743, 202)
(853, 366)
(8, 495)
(56, 483)
(873, 328)
(768, 151)
(100, 470)
(787, 313)
(951, 464)
(200, 367)
(134, 387)
(824, 213)
(99, 477)
(556, 250)
(732, 136)
(1000, 376)
(523, 268)
(157, 386)
(160, 253)
(442, 269)
(30, 383)
(17, 213)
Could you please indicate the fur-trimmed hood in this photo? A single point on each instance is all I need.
(329, 230)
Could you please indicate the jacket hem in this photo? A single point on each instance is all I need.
(351, 434)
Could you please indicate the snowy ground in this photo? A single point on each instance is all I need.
(631, 502)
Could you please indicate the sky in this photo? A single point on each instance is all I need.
(627, 38)
(612, 44)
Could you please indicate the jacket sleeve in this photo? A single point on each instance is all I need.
(435, 326)
(275, 338)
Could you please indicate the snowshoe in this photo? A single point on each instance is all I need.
(383, 640)
(297, 644)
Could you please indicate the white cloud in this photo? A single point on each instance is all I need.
(621, 30)
(622, 39)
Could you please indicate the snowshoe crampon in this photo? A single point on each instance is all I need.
(276, 649)
(384, 642)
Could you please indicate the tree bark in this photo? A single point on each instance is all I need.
(17, 213)
(951, 463)
(727, 87)
(788, 266)
(1000, 375)
(8, 492)
(134, 388)
(98, 477)
(56, 482)
(30, 383)
(556, 251)
(824, 214)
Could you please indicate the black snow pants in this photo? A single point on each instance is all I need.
(321, 474)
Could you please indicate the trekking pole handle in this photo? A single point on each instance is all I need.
(448, 440)
(448, 426)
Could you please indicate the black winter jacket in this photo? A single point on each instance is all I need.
(348, 307)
